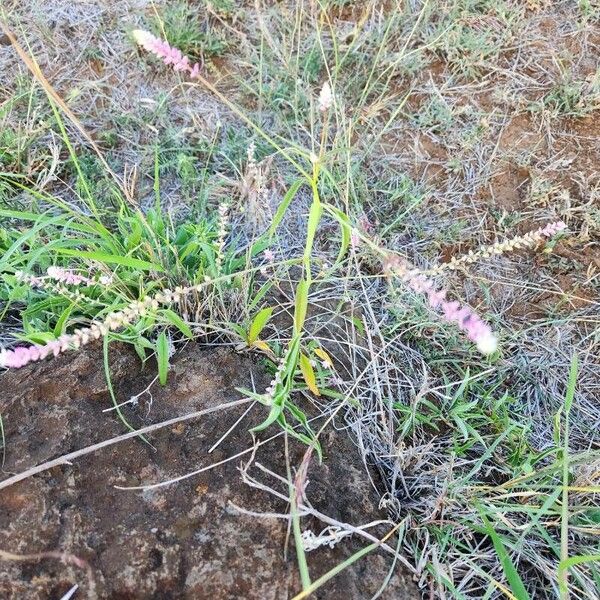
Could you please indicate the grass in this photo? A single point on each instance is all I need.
(196, 30)
(483, 458)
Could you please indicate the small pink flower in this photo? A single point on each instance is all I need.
(553, 228)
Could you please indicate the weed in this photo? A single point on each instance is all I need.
(316, 144)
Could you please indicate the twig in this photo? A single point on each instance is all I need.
(67, 458)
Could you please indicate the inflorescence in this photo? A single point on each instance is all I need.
(169, 55)
(475, 328)
(23, 355)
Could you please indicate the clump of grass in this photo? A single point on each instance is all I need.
(569, 97)
(435, 116)
(474, 33)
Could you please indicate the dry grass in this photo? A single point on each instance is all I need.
(457, 123)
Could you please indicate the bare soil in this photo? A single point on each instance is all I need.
(185, 540)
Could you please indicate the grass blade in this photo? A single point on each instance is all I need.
(258, 324)
(563, 573)
(510, 571)
(282, 208)
(162, 357)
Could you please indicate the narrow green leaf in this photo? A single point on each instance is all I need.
(238, 329)
(250, 394)
(102, 257)
(178, 322)
(510, 571)
(577, 560)
(276, 410)
(564, 520)
(314, 216)
(258, 324)
(61, 326)
(345, 228)
(301, 306)
(282, 208)
(572, 383)
(162, 357)
(111, 391)
(260, 294)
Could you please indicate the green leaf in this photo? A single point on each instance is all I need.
(311, 438)
(577, 560)
(250, 394)
(512, 576)
(282, 208)
(358, 324)
(105, 344)
(346, 230)
(572, 383)
(139, 350)
(162, 357)
(301, 306)
(61, 325)
(314, 216)
(258, 324)
(564, 516)
(260, 294)
(276, 410)
(178, 322)
(102, 257)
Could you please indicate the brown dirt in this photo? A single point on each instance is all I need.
(181, 541)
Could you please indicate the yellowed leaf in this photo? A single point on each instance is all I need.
(261, 345)
(309, 374)
(323, 355)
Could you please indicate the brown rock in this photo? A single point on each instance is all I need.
(186, 540)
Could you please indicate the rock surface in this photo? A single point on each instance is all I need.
(185, 540)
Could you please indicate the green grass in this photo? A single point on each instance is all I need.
(489, 502)
(189, 27)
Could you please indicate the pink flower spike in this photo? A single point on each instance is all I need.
(477, 330)
(450, 310)
(182, 64)
(170, 55)
(436, 297)
(464, 316)
(54, 346)
(34, 353)
(18, 357)
(66, 276)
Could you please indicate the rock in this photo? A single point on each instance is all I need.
(187, 540)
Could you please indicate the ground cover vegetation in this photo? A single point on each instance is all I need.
(392, 206)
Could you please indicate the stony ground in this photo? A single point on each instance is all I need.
(190, 539)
